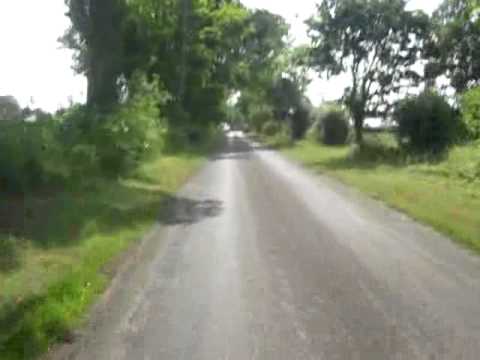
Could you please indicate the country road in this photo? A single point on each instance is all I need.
(260, 259)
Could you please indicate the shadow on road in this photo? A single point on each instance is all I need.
(183, 211)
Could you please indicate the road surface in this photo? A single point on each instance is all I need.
(261, 260)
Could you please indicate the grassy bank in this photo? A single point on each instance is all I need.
(444, 194)
(55, 247)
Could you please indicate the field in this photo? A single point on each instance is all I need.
(443, 192)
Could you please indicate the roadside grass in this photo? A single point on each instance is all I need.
(277, 141)
(444, 193)
(53, 260)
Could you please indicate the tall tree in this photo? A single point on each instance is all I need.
(9, 108)
(261, 67)
(193, 46)
(96, 35)
(455, 44)
(377, 42)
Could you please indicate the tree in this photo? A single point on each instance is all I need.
(470, 102)
(454, 49)
(271, 84)
(193, 46)
(9, 108)
(377, 42)
(96, 35)
(264, 44)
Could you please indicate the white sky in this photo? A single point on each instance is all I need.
(33, 64)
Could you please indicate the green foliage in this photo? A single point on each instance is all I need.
(126, 136)
(8, 253)
(471, 112)
(426, 123)
(379, 148)
(378, 54)
(264, 43)
(99, 46)
(187, 138)
(260, 115)
(454, 49)
(83, 142)
(331, 127)
(30, 155)
(195, 48)
(301, 120)
(281, 139)
(116, 142)
(462, 163)
(273, 79)
(271, 128)
(9, 108)
(276, 135)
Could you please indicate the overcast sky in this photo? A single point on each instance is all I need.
(34, 66)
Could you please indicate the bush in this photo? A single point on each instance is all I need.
(464, 162)
(130, 133)
(331, 126)
(82, 143)
(281, 138)
(300, 122)
(189, 138)
(471, 112)
(260, 115)
(114, 143)
(378, 147)
(30, 155)
(271, 128)
(9, 254)
(426, 123)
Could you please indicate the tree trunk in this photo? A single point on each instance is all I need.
(102, 84)
(358, 120)
(185, 11)
(105, 52)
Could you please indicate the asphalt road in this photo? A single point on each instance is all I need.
(261, 260)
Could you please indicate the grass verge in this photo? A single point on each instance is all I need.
(444, 194)
(55, 249)
(277, 141)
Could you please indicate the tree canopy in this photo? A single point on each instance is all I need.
(455, 43)
(9, 108)
(377, 42)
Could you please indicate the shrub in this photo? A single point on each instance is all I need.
(271, 128)
(30, 155)
(379, 147)
(82, 143)
(281, 138)
(9, 254)
(426, 123)
(260, 115)
(81, 154)
(189, 138)
(300, 121)
(331, 126)
(115, 142)
(471, 112)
